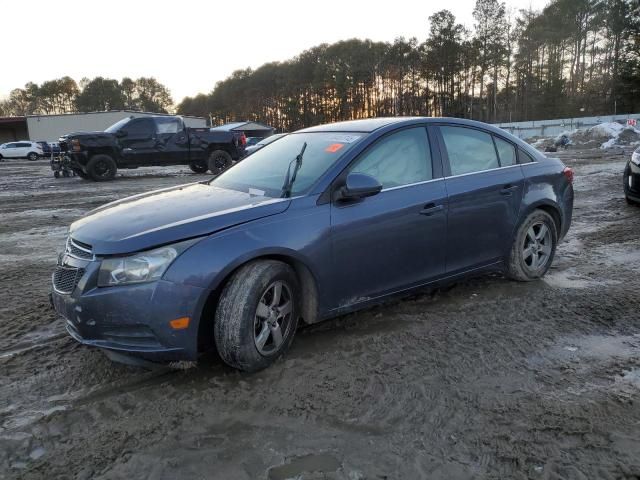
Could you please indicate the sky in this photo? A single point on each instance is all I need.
(189, 45)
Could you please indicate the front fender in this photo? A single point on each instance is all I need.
(300, 234)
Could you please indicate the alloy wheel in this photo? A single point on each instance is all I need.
(537, 247)
(273, 318)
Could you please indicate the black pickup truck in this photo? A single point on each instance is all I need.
(150, 141)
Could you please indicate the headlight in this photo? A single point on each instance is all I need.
(140, 267)
(635, 157)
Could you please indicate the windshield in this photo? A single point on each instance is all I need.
(118, 125)
(264, 171)
(270, 139)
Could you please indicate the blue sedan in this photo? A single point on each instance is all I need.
(327, 220)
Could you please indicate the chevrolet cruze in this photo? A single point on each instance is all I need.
(324, 221)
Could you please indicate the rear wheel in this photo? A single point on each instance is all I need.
(101, 168)
(198, 167)
(257, 315)
(533, 247)
(33, 156)
(219, 161)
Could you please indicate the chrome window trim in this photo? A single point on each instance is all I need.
(483, 171)
(412, 184)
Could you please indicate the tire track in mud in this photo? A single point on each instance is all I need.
(488, 378)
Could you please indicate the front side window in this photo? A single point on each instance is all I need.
(264, 172)
(469, 150)
(506, 152)
(401, 158)
(23, 145)
(139, 128)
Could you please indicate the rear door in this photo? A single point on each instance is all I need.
(172, 143)
(138, 147)
(395, 239)
(23, 149)
(484, 188)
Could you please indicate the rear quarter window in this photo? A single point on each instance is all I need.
(524, 157)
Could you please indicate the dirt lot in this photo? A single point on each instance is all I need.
(487, 379)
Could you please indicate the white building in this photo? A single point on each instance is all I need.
(49, 128)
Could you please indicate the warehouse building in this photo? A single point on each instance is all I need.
(49, 128)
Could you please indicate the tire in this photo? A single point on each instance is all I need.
(101, 168)
(33, 156)
(1, 158)
(249, 314)
(533, 247)
(56, 174)
(219, 161)
(198, 167)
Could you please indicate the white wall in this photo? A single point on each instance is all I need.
(50, 127)
(548, 128)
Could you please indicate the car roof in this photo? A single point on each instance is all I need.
(371, 124)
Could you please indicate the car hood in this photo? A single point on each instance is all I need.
(165, 216)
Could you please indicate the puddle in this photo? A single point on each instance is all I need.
(570, 279)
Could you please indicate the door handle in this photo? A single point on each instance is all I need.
(507, 189)
(431, 208)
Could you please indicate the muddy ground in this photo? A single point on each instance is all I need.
(486, 379)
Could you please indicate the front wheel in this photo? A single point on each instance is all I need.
(198, 167)
(219, 161)
(533, 247)
(257, 315)
(33, 156)
(101, 168)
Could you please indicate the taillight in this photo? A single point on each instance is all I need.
(568, 174)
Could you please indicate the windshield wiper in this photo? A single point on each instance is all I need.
(291, 177)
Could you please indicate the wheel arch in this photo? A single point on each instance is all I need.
(306, 277)
(546, 206)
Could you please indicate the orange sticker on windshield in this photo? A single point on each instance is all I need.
(334, 147)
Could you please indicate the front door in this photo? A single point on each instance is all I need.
(138, 146)
(485, 192)
(395, 239)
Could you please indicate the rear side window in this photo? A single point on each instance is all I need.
(168, 125)
(524, 157)
(506, 152)
(469, 150)
(401, 158)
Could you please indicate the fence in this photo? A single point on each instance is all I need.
(548, 128)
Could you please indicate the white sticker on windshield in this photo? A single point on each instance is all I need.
(344, 138)
(256, 192)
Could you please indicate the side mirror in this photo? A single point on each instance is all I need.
(121, 133)
(359, 185)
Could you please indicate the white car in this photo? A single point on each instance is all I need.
(21, 149)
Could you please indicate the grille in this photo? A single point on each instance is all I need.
(78, 249)
(65, 279)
